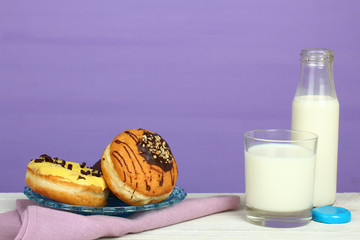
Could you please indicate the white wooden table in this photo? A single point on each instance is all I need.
(232, 225)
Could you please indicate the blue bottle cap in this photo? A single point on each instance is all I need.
(331, 214)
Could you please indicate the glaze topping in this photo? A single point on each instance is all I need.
(155, 150)
(69, 171)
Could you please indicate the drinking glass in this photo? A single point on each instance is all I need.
(279, 177)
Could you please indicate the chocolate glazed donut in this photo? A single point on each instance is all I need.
(139, 167)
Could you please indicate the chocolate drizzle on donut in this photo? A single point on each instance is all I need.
(156, 151)
(131, 154)
(116, 154)
(162, 179)
(133, 136)
(127, 146)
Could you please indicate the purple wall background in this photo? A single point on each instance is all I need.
(74, 74)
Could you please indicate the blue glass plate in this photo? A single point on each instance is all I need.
(115, 206)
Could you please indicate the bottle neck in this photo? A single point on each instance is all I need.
(316, 73)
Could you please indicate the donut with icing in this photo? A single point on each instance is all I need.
(67, 182)
(139, 168)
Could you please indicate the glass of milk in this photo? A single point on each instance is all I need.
(279, 177)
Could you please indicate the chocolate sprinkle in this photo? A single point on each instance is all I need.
(96, 173)
(83, 165)
(38, 160)
(80, 177)
(85, 173)
(70, 166)
(63, 162)
(49, 159)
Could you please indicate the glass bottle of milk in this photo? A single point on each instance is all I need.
(315, 108)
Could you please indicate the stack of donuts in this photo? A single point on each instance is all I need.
(137, 167)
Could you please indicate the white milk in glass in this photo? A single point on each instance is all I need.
(279, 177)
(320, 115)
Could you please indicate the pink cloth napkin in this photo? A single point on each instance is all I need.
(31, 221)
